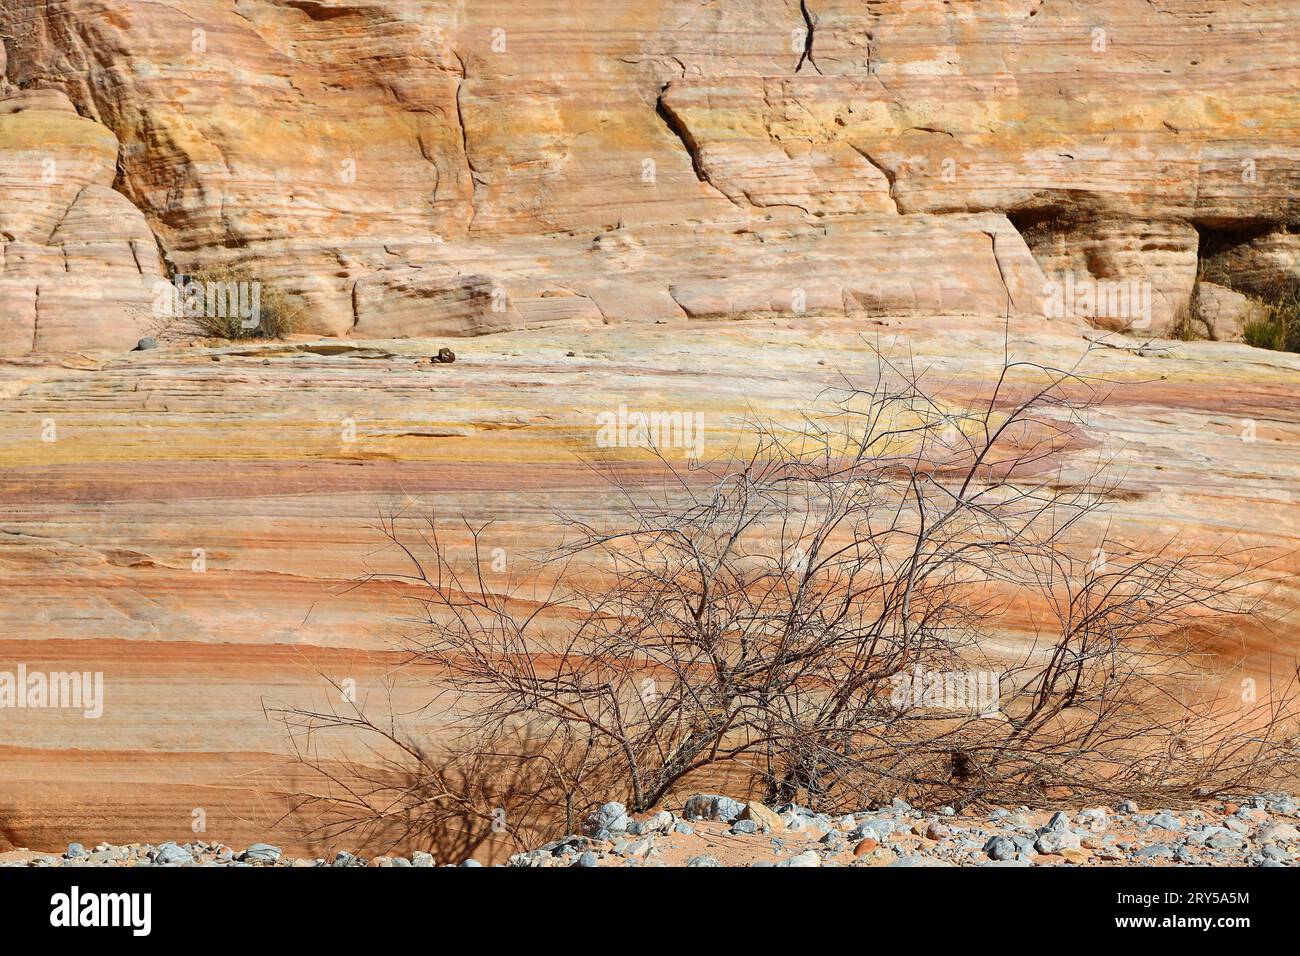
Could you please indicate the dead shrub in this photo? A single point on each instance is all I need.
(226, 302)
(779, 621)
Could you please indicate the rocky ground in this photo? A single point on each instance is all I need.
(714, 830)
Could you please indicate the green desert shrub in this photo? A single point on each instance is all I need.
(1276, 323)
(1278, 326)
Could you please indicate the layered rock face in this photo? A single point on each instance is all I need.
(78, 261)
(196, 529)
(419, 168)
(593, 192)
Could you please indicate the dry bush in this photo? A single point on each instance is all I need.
(409, 791)
(749, 623)
(277, 314)
(1190, 322)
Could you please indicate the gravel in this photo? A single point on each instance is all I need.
(1263, 830)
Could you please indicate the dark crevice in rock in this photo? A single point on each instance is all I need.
(320, 12)
(884, 171)
(811, 25)
(464, 148)
(1256, 260)
(680, 130)
(1002, 275)
(1045, 229)
(1215, 241)
(1039, 219)
(36, 314)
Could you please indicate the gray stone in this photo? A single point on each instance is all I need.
(640, 849)
(472, 863)
(808, 858)
(703, 860)
(878, 829)
(1224, 840)
(794, 823)
(1277, 832)
(916, 860)
(587, 858)
(661, 822)
(744, 827)
(76, 851)
(1166, 821)
(1157, 851)
(684, 828)
(833, 842)
(261, 853)
(146, 343)
(1054, 841)
(169, 854)
(712, 806)
(421, 859)
(612, 818)
(1094, 818)
(573, 843)
(1283, 803)
(1000, 848)
(1128, 806)
(1201, 835)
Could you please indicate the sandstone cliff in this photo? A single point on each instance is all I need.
(190, 521)
(426, 167)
